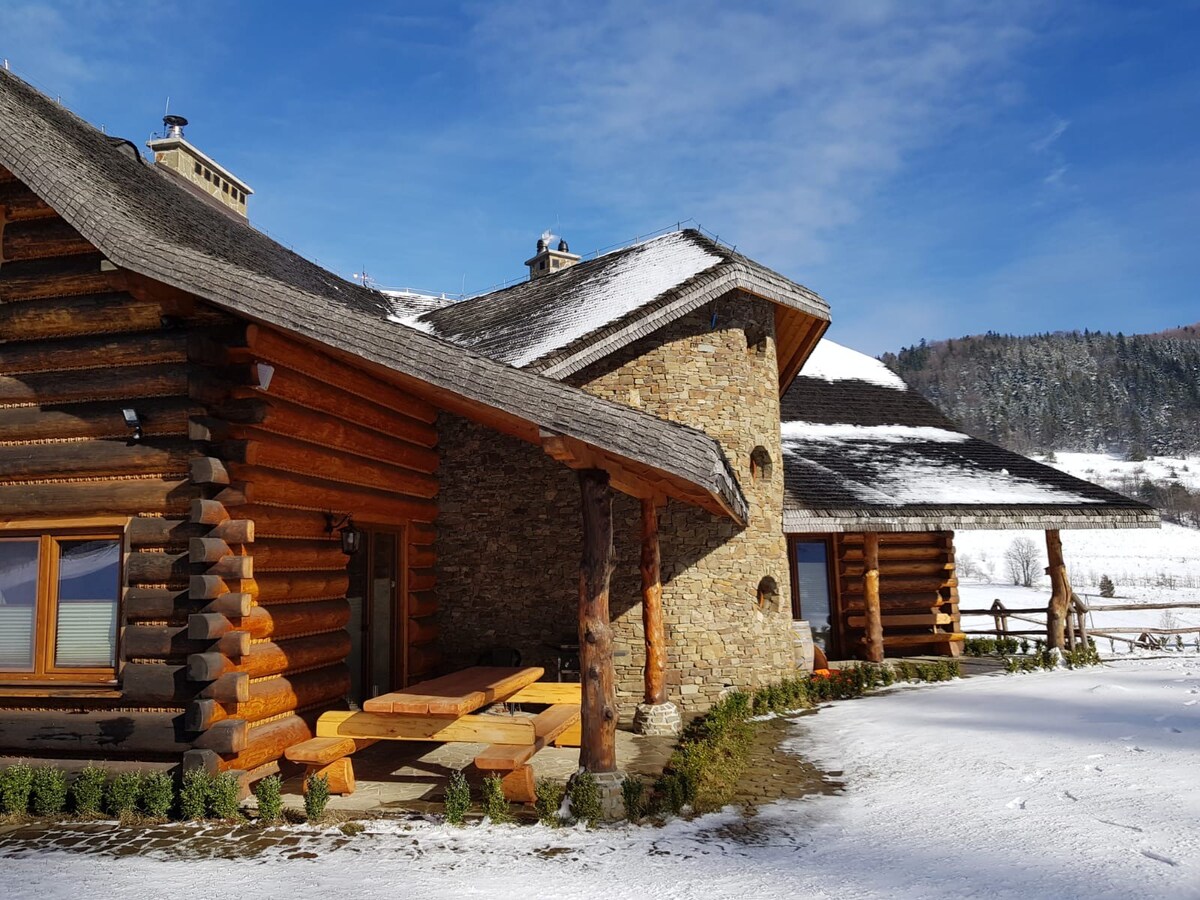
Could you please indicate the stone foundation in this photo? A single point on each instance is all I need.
(657, 719)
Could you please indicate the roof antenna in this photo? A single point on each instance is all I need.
(167, 107)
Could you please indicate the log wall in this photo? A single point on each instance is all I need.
(234, 609)
(918, 593)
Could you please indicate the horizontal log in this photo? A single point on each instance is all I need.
(279, 621)
(422, 534)
(94, 352)
(266, 743)
(209, 470)
(289, 524)
(233, 567)
(891, 538)
(41, 238)
(421, 557)
(93, 459)
(129, 383)
(270, 486)
(903, 551)
(299, 556)
(930, 568)
(283, 350)
(422, 603)
(910, 640)
(60, 317)
(273, 658)
(276, 588)
(423, 659)
(899, 584)
(274, 696)
(297, 457)
(207, 550)
(161, 417)
(328, 400)
(905, 620)
(155, 683)
(18, 203)
(155, 568)
(422, 579)
(159, 642)
(158, 531)
(324, 430)
(99, 733)
(95, 498)
(226, 737)
(208, 512)
(422, 631)
(59, 277)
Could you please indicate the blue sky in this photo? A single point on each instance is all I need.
(932, 168)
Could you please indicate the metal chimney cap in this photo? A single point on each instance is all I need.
(562, 246)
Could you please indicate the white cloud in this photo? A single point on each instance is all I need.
(772, 124)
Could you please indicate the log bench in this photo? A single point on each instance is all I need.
(511, 761)
(328, 756)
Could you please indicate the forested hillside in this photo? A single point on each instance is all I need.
(1083, 391)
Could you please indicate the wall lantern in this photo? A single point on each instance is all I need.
(351, 536)
(134, 422)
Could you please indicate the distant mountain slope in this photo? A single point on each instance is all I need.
(1075, 391)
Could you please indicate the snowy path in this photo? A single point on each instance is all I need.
(1069, 784)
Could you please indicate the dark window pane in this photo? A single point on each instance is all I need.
(88, 590)
(18, 603)
(812, 584)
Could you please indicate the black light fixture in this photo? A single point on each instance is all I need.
(132, 420)
(350, 535)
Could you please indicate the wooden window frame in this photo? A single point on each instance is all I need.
(45, 632)
(835, 584)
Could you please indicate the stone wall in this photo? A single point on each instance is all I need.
(510, 536)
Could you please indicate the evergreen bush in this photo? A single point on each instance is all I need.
(1108, 590)
(495, 804)
(223, 793)
(156, 795)
(633, 794)
(121, 794)
(316, 796)
(549, 794)
(269, 794)
(193, 794)
(48, 791)
(16, 783)
(585, 798)
(458, 799)
(87, 791)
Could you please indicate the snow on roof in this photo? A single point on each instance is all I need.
(887, 434)
(408, 305)
(833, 362)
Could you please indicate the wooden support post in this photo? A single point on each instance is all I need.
(873, 637)
(597, 753)
(652, 611)
(1060, 592)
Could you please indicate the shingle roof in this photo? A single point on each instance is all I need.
(862, 452)
(146, 223)
(560, 323)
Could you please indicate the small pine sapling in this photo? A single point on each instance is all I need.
(316, 796)
(49, 791)
(156, 795)
(223, 802)
(16, 784)
(495, 804)
(458, 799)
(549, 795)
(87, 791)
(269, 794)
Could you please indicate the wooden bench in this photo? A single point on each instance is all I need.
(328, 756)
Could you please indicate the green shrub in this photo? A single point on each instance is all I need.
(223, 802)
(269, 793)
(1083, 656)
(87, 791)
(495, 804)
(548, 796)
(673, 792)
(16, 783)
(633, 793)
(49, 791)
(585, 798)
(193, 794)
(157, 794)
(316, 796)
(121, 794)
(458, 799)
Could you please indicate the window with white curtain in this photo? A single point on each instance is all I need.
(59, 597)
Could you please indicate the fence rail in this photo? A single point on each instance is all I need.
(1078, 627)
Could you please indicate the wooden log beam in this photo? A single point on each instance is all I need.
(95, 352)
(65, 276)
(104, 497)
(279, 621)
(225, 737)
(873, 632)
(99, 733)
(63, 317)
(266, 486)
(654, 675)
(273, 522)
(273, 658)
(41, 238)
(161, 417)
(266, 742)
(299, 556)
(129, 382)
(274, 696)
(599, 708)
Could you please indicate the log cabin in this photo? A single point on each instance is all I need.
(237, 491)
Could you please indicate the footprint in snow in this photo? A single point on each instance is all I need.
(1015, 803)
(1067, 795)
(1120, 825)
(1158, 857)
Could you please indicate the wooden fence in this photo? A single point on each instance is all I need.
(1078, 627)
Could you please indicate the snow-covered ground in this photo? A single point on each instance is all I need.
(1052, 785)
(1119, 474)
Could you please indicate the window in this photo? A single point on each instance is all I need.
(58, 606)
(812, 594)
(760, 464)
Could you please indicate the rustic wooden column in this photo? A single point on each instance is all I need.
(1060, 591)
(597, 751)
(872, 614)
(652, 612)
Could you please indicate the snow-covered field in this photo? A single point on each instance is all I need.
(1052, 785)
(1145, 565)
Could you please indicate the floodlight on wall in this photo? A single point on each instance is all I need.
(134, 421)
(351, 536)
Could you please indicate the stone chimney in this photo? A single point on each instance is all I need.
(173, 151)
(547, 261)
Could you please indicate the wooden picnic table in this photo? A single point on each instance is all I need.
(444, 710)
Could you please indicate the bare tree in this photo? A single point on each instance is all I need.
(1023, 561)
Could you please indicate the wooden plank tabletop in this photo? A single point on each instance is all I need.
(456, 694)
